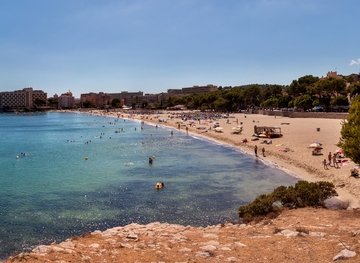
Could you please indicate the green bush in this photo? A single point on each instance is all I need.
(303, 194)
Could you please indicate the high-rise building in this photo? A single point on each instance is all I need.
(21, 98)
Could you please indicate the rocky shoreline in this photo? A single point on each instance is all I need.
(302, 235)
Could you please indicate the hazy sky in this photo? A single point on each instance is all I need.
(155, 45)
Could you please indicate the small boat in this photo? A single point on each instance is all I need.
(159, 185)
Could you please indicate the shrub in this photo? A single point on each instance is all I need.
(261, 206)
(303, 194)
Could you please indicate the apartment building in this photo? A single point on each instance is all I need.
(99, 100)
(128, 97)
(66, 100)
(191, 90)
(199, 89)
(151, 98)
(21, 98)
(175, 92)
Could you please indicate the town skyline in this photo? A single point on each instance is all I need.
(152, 46)
(328, 74)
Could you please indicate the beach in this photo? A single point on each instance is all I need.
(297, 235)
(98, 177)
(291, 152)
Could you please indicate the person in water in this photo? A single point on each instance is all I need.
(150, 160)
(159, 185)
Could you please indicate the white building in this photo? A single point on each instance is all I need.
(66, 100)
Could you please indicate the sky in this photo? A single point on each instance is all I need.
(155, 45)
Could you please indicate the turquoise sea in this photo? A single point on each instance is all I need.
(51, 192)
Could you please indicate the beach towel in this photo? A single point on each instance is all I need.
(343, 163)
(285, 150)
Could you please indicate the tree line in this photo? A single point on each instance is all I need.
(306, 92)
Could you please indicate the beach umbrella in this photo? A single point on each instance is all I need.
(315, 145)
(338, 150)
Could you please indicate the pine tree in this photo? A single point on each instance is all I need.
(350, 132)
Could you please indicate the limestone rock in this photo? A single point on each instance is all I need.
(132, 236)
(289, 233)
(41, 250)
(344, 254)
(317, 234)
(208, 248)
(67, 245)
(210, 236)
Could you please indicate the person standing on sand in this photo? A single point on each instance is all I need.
(263, 151)
(255, 150)
(336, 165)
(325, 164)
(329, 158)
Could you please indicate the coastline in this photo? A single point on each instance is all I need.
(298, 134)
(298, 162)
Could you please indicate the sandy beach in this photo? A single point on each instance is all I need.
(290, 152)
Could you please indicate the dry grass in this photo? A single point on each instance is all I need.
(302, 230)
(277, 230)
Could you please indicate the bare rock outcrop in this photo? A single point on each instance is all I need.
(303, 235)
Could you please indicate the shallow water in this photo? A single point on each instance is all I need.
(53, 192)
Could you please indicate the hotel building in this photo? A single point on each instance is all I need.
(21, 98)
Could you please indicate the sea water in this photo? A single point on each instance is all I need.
(63, 174)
